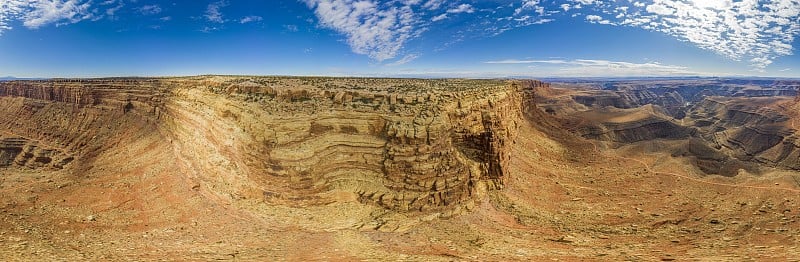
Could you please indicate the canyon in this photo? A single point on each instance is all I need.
(298, 168)
(723, 125)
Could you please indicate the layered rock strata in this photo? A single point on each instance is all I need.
(749, 129)
(406, 145)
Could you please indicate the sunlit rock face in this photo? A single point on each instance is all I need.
(405, 145)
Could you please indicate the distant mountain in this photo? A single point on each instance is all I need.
(11, 78)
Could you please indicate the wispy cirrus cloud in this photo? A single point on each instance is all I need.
(593, 67)
(149, 9)
(112, 12)
(250, 19)
(462, 8)
(433, 4)
(40, 13)
(405, 60)
(213, 13)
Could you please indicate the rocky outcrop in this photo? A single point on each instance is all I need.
(21, 152)
(406, 145)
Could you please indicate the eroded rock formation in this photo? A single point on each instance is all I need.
(722, 125)
(406, 145)
(751, 129)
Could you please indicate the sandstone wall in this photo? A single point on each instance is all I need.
(426, 149)
(406, 145)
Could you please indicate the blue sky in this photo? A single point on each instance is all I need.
(399, 38)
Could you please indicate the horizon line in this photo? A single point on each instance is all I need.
(409, 76)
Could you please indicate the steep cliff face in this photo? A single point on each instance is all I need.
(400, 147)
(50, 124)
(405, 145)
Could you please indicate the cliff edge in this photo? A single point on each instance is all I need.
(425, 146)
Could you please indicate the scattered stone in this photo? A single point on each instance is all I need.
(566, 239)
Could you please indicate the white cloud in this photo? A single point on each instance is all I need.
(252, 18)
(433, 4)
(378, 30)
(527, 5)
(149, 10)
(213, 13)
(589, 67)
(43, 12)
(586, 2)
(35, 14)
(748, 30)
(462, 8)
(755, 31)
(660, 9)
(514, 61)
(291, 28)
(10, 10)
(596, 19)
(113, 10)
(439, 17)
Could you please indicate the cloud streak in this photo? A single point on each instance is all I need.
(405, 60)
(590, 67)
(149, 10)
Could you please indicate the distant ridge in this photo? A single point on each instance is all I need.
(11, 78)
